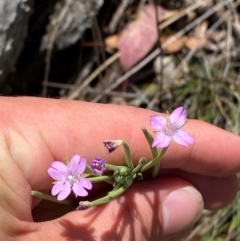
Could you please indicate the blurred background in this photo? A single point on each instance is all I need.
(151, 54)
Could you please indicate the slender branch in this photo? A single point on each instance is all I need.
(51, 198)
(155, 160)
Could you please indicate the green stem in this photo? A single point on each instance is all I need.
(117, 186)
(154, 151)
(88, 169)
(155, 161)
(141, 163)
(100, 179)
(51, 198)
(113, 167)
(128, 155)
(107, 198)
(149, 138)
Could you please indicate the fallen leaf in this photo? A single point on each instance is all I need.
(175, 46)
(217, 36)
(112, 42)
(166, 14)
(139, 36)
(201, 29)
(192, 42)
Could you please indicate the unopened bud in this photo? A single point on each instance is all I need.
(112, 145)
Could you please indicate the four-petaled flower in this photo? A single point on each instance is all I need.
(68, 178)
(169, 128)
(98, 165)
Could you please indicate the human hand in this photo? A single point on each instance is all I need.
(35, 132)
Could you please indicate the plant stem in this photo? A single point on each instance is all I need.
(112, 195)
(155, 161)
(149, 138)
(113, 167)
(141, 163)
(100, 179)
(51, 198)
(128, 155)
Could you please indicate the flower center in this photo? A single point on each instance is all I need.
(97, 166)
(71, 178)
(169, 129)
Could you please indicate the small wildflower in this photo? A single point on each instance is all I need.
(169, 128)
(68, 178)
(98, 165)
(112, 145)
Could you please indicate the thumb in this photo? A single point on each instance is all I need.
(146, 211)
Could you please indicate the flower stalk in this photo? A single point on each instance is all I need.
(100, 179)
(155, 161)
(51, 198)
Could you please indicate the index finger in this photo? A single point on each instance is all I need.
(43, 130)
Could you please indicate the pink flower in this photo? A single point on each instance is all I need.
(169, 128)
(68, 178)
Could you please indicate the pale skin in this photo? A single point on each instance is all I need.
(35, 132)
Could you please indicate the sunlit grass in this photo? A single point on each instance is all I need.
(215, 99)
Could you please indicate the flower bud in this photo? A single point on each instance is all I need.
(112, 145)
(98, 165)
(83, 205)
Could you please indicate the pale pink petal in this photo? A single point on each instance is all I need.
(85, 183)
(79, 190)
(55, 174)
(161, 140)
(178, 117)
(59, 166)
(57, 187)
(64, 193)
(157, 122)
(182, 137)
(77, 165)
(58, 170)
(74, 162)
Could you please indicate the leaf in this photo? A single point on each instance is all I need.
(175, 46)
(195, 42)
(139, 37)
(112, 42)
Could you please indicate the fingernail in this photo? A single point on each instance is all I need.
(181, 209)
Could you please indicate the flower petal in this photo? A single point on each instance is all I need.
(157, 122)
(63, 189)
(64, 193)
(178, 117)
(77, 165)
(58, 170)
(74, 162)
(57, 187)
(85, 183)
(55, 174)
(78, 187)
(161, 140)
(61, 167)
(182, 137)
(79, 190)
